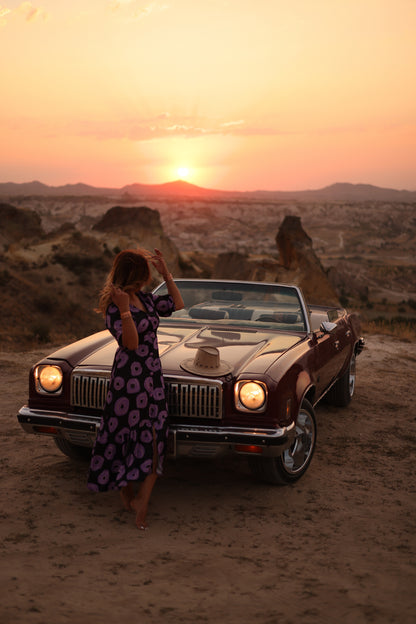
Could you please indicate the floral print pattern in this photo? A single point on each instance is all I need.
(135, 413)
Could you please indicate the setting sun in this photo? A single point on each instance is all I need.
(183, 172)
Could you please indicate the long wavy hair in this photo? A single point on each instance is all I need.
(130, 270)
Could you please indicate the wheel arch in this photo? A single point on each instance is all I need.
(305, 389)
(359, 346)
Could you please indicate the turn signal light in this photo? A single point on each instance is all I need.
(248, 448)
(45, 429)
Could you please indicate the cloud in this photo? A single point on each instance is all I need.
(31, 13)
(116, 5)
(167, 125)
(135, 9)
(4, 11)
(162, 125)
(153, 7)
(26, 10)
(228, 124)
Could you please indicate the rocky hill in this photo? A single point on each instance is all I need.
(182, 189)
(15, 224)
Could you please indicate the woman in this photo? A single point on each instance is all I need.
(131, 440)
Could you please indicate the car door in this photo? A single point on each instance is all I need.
(329, 354)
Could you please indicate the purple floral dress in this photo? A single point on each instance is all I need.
(136, 406)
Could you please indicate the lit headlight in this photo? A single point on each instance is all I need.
(250, 396)
(48, 379)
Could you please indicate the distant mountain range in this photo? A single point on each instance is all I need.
(180, 188)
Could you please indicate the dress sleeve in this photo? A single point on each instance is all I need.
(164, 305)
(113, 322)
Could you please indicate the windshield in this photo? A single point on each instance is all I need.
(252, 304)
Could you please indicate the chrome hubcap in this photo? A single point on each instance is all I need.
(351, 382)
(297, 456)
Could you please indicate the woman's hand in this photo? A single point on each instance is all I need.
(159, 263)
(120, 298)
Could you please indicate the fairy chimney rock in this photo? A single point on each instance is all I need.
(294, 245)
(300, 265)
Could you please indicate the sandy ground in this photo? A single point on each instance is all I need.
(338, 546)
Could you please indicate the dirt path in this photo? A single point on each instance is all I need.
(339, 546)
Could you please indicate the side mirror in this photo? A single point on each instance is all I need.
(327, 327)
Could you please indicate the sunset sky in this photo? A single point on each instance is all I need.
(233, 95)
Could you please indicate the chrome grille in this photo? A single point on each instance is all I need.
(187, 398)
(89, 389)
(194, 399)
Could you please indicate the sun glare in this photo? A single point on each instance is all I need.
(183, 172)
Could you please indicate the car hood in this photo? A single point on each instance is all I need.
(245, 352)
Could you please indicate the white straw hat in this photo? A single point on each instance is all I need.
(207, 362)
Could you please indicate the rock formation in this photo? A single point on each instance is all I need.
(17, 224)
(300, 265)
(59, 274)
(235, 265)
(143, 221)
(129, 226)
(297, 264)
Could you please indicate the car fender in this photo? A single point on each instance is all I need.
(303, 384)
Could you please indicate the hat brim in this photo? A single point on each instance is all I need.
(219, 371)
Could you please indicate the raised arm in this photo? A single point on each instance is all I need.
(159, 263)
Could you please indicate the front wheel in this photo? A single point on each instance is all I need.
(73, 451)
(293, 463)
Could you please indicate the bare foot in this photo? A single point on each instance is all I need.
(140, 509)
(140, 503)
(127, 495)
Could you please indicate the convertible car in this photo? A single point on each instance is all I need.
(244, 363)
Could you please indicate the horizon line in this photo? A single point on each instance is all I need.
(216, 190)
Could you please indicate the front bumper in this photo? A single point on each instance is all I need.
(77, 429)
(184, 439)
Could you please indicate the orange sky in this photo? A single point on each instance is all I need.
(244, 94)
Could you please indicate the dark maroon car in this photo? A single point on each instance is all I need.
(244, 365)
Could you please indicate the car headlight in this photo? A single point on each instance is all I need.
(250, 396)
(48, 379)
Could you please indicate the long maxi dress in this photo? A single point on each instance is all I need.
(135, 414)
